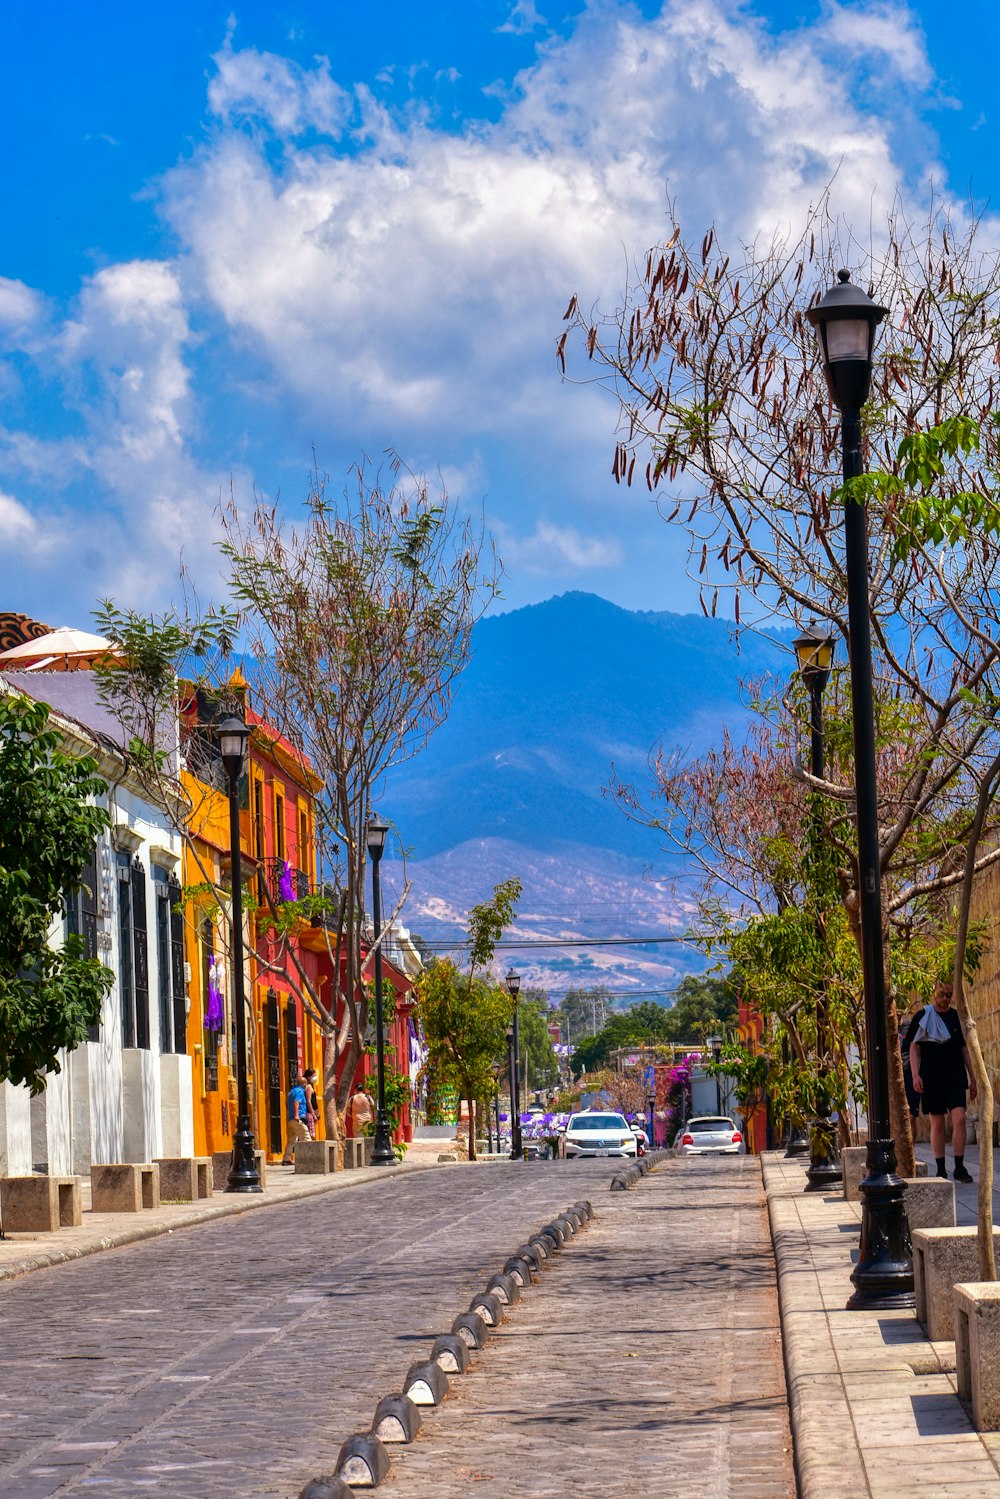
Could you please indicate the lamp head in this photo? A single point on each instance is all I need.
(375, 831)
(513, 982)
(845, 321)
(814, 654)
(232, 735)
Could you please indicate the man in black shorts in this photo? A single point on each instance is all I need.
(939, 1062)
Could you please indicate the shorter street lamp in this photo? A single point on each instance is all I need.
(232, 735)
(814, 654)
(714, 1044)
(515, 1123)
(513, 982)
(382, 1155)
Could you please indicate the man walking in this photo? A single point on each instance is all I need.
(297, 1130)
(939, 1062)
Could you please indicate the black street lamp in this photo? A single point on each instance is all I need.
(814, 654)
(714, 1045)
(845, 321)
(513, 982)
(382, 1155)
(233, 735)
(509, 1033)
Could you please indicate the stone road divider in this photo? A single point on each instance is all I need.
(364, 1461)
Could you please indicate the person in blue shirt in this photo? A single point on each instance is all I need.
(296, 1121)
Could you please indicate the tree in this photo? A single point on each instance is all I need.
(644, 1024)
(726, 418)
(465, 1016)
(703, 1005)
(48, 824)
(359, 623)
(534, 1018)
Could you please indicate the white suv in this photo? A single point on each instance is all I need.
(593, 1134)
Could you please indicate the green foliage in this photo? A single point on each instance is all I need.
(47, 831)
(644, 1024)
(703, 1006)
(533, 1021)
(464, 1021)
(488, 921)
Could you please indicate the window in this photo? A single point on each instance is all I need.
(211, 1042)
(81, 918)
(133, 977)
(279, 824)
(170, 961)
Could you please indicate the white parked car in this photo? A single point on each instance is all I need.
(590, 1134)
(710, 1134)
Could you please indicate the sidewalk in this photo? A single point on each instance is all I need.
(23, 1252)
(874, 1410)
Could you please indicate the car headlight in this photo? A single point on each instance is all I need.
(627, 1139)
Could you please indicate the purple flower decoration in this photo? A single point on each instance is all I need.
(286, 885)
(215, 1015)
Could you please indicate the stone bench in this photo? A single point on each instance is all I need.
(185, 1178)
(853, 1162)
(929, 1202)
(125, 1187)
(942, 1258)
(222, 1161)
(315, 1157)
(358, 1150)
(977, 1350)
(39, 1204)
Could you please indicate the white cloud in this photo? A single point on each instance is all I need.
(21, 307)
(560, 549)
(262, 86)
(890, 32)
(524, 18)
(17, 524)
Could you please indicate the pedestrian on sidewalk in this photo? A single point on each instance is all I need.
(312, 1102)
(296, 1121)
(939, 1063)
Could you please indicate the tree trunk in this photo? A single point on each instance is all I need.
(472, 1127)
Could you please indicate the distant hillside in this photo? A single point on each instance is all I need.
(512, 782)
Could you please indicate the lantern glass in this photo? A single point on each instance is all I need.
(375, 832)
(848, 338)
(513, 982)
(232, 735)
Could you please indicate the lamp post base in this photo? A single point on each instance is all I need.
(243, 1174)
(824, 1173)
(797, 1142)
(383, 1154)
(883, 1276)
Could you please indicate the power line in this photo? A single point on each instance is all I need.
(532, 942)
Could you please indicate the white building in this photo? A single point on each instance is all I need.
(126, 1093)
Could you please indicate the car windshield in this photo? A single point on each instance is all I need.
(709, 1126)
(598, 1121)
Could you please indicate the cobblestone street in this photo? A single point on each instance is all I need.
(233, 1358)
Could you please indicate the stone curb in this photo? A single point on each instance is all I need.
(377, 1459)
(623, 1180)
(136, 1232)
(828, 1461)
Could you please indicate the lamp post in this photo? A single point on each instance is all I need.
(714, 1045)
(845, 321)
(382, 1155)
(515, 1154)
(232, 735)
(814, 655)
(513, 982)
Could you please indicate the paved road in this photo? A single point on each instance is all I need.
(232, 1359)
(646, 1362)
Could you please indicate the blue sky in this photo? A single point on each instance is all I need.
(233, 235)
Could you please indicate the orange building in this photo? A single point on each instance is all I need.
(277, 844)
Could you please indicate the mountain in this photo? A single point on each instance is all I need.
(512, 782)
